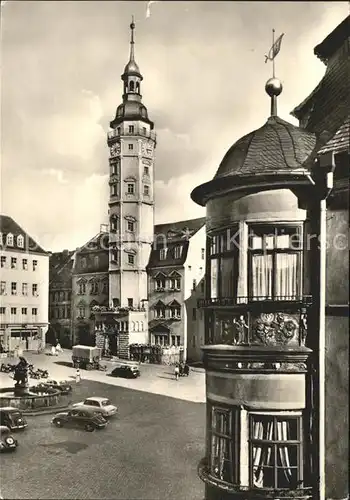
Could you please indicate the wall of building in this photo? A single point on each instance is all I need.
(30, 300)
(337, 354)
(195, 323)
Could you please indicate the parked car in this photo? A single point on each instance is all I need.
(81, 418)
(7, 442)
(101, 405)
(127, 371)
(12, 418)
(62, 386)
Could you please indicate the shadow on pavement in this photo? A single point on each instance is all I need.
(168, 378)
(64, 363)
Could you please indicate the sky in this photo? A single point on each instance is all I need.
(204, 78)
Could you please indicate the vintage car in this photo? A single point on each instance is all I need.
(7, 442)
(126, 371)
(101, 405)
(81, 418)
(12, 418)
(62, 386)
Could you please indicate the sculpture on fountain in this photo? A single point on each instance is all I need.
(21, 377)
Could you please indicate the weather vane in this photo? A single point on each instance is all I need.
(276, 47)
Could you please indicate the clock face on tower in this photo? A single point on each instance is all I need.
(147, 148)
(115, 149)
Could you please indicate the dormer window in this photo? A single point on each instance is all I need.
(178, 252)
(175, 281)
(83, 263)
(159, 310)
(163, 253)
(9, 240)
(175, 310)
(20, 241)
(160, 282)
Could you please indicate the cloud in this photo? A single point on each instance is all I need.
(57, 174)
(203, 87)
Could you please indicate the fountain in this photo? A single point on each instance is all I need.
(30, 399)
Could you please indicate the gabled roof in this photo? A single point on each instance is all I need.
(159, 304)
(9, 226)
(341, 140)
(61, 267)
(179, 230)
(174, 303)
(99, 242)
(326, 109)
(333, 41)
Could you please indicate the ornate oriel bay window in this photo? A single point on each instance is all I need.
(254, 450)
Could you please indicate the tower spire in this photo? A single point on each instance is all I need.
(132, 42)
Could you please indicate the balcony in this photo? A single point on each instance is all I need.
(246, 321)
(244, 302)
(138, 131)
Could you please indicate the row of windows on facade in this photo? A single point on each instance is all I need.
(10, 240)
(129, 226)
(116, 169)
(14, 264)
(269, 455)
(163, 340)
(125, 326)
(163, 253)
(60, 296)
(94, 288)
(60, 312)
(84, 262)
(14, 289)
(115, 257)
(274, 262)
(24, 311)
(174, 284)
(130, 189)
(164, 311)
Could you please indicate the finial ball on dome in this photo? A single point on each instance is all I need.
(273, 87)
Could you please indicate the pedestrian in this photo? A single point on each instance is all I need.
(177, 372)
(53, 351)
(58, 347)
(77, 376)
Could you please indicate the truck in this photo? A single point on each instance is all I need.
(87, 357)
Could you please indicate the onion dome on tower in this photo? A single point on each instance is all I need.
(132, 107)
(278, 147)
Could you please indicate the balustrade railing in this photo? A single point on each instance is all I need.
(143, 132)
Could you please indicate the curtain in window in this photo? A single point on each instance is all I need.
(262, 276)
(261, 454)
(283, 434)
(286, 276)
(214, 279)
(228, 277)
(221, 447)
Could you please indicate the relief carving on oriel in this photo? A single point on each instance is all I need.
(232, 330)
(275, 329)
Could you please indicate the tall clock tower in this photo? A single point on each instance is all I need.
(132, 143)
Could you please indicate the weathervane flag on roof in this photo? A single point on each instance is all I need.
(148, 9)
(276, 47)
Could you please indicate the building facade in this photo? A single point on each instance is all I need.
(90, 287)
(131, 143)
(273, 381)
(24, 292)
(60, 298)
(176, 266)
(325, 112)
(195, 323)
